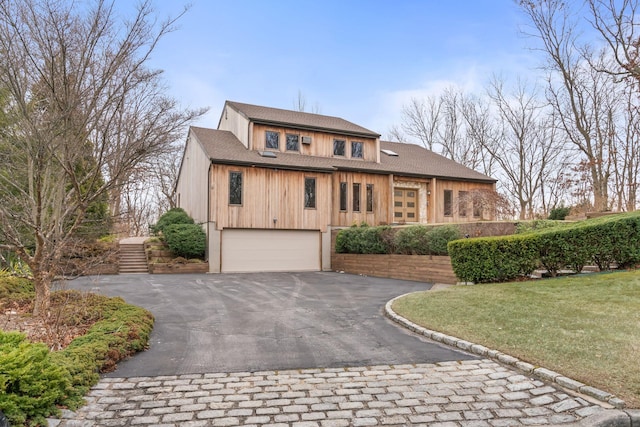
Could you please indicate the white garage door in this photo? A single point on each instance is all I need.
(270, 250)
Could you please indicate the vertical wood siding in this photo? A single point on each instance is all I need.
(321, 142)
(269, 194)
(381, 199)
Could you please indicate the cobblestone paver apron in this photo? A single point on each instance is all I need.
(473, 393)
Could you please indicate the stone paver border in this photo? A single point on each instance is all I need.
(539, 372)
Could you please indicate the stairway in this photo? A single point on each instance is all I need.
(133, 259)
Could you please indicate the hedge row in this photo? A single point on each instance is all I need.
(603, 241)
(413, 240)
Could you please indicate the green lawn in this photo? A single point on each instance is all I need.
(586, 327)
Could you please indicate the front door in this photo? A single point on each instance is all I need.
(405, 205)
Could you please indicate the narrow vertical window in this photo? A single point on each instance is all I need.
(292, 142)
(272, 140)
(448, 202)
(338, 147)
(356, 197)
(235, 188)
(310, 193)
(356, 150)
(369, 197)
(477, 208)
(343, 196)
(462, 203)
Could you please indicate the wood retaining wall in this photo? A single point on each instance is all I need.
(421, 268)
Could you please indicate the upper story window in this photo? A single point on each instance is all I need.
(310, 193)
(235, 188)
(448, 202)
(272, 140)
(339, 147)
(477, 208)
(356, 150)
(293, 142)
(343, 196)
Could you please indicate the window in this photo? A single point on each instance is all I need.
(462, 203)
(356, 150)
(338, 147)
(369, 197)
(272, 139)
(448, 202)
(477, 208)
(310, 193)
(292, 143)
(343, 196)
(235, 188)
(356, 197)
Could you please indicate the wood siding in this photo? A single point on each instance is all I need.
(436, 201)
(269, 194)
(191, 188)
(321, 142)
(382, 196)
(235, 123)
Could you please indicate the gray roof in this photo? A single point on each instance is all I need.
(298, 119)
(412, 160)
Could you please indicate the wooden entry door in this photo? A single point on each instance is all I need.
(405, 205)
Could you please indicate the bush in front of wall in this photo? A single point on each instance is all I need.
(413, 240)
(172, 216)
(364, 239)
(439, 238)
(186, 240)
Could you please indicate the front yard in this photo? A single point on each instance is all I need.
(586, 327)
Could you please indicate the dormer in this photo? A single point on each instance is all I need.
(294, 132)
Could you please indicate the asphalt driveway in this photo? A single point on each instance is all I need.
(267, 321)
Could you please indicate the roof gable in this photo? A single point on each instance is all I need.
(298, 119)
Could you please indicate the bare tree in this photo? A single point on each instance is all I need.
(616, 23)
(300, 104)
(87, 113)
(576, 89)
(526, 148)
(396, 134)
(421, 120)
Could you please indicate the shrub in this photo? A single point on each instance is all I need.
(491, 259)
(559, 213)
(412, 240)
(48, 380)
(363, 240)
(172, 216)
(439, 238)
(31, 382)
(536, 225)
(186, 240)
(606, 240)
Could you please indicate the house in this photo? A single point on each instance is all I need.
(269, 185)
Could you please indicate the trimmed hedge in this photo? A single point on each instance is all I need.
(613, 239)
(186, 240)
(412, 240)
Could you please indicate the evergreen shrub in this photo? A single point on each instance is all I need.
(186, 240)
(172, 216)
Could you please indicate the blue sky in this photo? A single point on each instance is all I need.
(359, 60)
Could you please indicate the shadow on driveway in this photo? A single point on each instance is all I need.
(266, 321)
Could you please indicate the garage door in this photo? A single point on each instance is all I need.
(270, 250)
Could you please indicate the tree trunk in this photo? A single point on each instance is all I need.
(42, 285)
